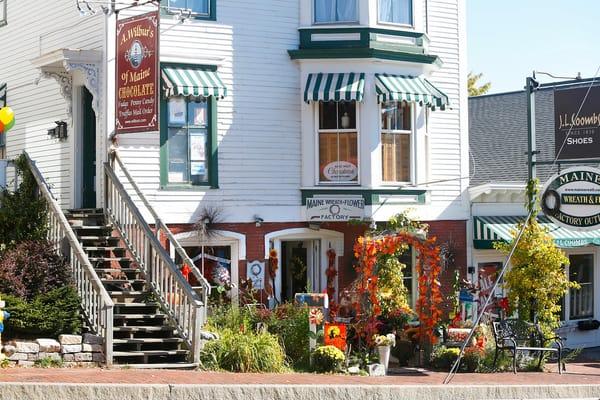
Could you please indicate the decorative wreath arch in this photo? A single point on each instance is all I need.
(428, 268)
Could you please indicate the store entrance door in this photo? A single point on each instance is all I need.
(301, 268)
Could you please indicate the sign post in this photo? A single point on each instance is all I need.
(137, 86)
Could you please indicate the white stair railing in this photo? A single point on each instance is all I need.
(185, 306)
(97, 305)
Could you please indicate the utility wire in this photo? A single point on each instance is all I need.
(492, 293)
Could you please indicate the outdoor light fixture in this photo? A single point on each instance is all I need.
(59, 131)
(258, 221)
(315, 226)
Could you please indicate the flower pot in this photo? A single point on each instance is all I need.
(384, 355)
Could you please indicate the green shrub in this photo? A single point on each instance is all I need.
(47, 315)
(49, 362)
(328, 359)
(290, 324)
(231, 318)
(31, 268)
(443, 358)
(244, 351)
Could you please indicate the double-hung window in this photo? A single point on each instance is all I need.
(187, 141)
(202, 9)
(396, 139)
(396, 12)
(335, 11)
(581, 301)
(338, 142)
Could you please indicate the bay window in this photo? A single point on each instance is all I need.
(338, 142)
(396, 12)
(187, 141)
(335, 11)
(581, 301)
(396, 138)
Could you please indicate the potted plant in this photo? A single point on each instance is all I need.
(384, 343)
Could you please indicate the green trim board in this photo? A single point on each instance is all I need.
(490, 229)
(371, 196)
(366, 36)
(341, 53)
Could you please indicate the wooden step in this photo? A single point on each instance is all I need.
(148, 340)
(107, 259)
(103, 248)
(145, 353)
(91, 227)
(122, 281)
(143, 328)
(174, 365)
(120, 304)
(125, 270)
(92, 238)
(122, 293)
(140, 316)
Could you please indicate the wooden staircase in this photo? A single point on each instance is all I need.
(144, 336)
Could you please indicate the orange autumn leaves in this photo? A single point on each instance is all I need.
(428, 268)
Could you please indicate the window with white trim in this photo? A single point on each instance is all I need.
(335, 11)
(407, 258)
(396, 12)
(338, 142)
(581, 301)
(396, 139)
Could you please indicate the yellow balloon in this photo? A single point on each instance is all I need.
(7, 116)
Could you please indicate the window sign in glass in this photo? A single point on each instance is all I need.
(327, 11)
(396, 11)
(177, 111)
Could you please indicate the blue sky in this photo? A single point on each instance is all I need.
(508, 39)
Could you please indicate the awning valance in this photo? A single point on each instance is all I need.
(334, 87)
(410, 89)
(492, 229)
(192, 81)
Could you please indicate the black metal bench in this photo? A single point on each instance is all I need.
(514, 335)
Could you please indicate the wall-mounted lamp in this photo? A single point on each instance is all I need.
(258, 221)
(59, 131)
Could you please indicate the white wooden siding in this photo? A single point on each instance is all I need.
(34, 28)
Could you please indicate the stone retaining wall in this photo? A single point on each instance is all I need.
(71, 350)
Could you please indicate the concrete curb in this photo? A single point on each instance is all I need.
(81, 391)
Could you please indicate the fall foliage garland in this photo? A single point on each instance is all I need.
(428, 268)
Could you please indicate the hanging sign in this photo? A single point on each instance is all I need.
(137, 87)
(572, 198)
(335, 208)
(577, 130)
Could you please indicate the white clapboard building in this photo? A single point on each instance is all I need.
(282, 123)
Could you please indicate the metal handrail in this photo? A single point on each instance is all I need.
(97, 305)
(180, 301)
(162, 227)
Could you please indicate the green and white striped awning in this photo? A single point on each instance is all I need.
(410, 89)
(492, 229)
(192, 81)
(334, 87)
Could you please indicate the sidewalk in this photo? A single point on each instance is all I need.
(581, 381)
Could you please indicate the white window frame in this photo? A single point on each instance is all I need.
(355, 22)
(316, 151)
(567, 302)
(414, 279)
(412, 145)
(3, 17)
(409, 26)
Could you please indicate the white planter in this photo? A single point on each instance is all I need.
(384, 355)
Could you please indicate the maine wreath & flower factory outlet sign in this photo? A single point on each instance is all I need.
(335, 208)
(572, 198)
(137, 74)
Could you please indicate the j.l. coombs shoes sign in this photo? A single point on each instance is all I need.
(572, 198)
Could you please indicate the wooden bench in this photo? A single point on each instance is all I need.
(514, 335)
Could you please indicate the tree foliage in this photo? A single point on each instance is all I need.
(22, 212)
(474, 90)
(537, 280)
